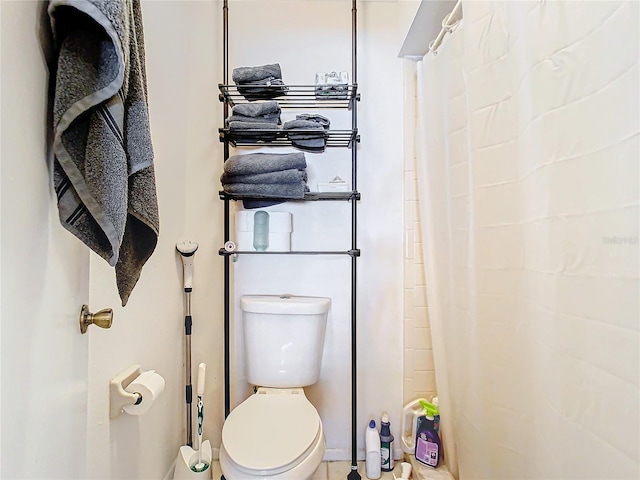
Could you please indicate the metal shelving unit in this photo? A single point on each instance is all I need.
(296, 97)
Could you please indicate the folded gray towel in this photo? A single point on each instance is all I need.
(284, 176)
(243, 75)
(267, 190)
(241, 118)
(304, 125)
(250, 203)
(252, 126)
(313, 145)
(324, 121)
(261, 89)
(262, 112)
(254, 131)
(268, 109)
(103, 169)
(253, 163)
(307, 139)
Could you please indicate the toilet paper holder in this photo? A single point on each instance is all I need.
(118, 396)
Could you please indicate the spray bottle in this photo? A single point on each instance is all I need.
(428, 444)
(386, 444)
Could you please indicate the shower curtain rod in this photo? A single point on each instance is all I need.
(448, 22)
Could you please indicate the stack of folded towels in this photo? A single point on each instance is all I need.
(261, 82)
(312, 138)
(265, 176)
(249, 117)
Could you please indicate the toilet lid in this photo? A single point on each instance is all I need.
(270, 432)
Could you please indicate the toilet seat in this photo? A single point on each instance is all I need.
(271, 432)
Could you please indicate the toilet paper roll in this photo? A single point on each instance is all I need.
(148, 384)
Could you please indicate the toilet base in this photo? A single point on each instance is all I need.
(302, 471)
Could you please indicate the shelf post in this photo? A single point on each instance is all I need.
(353, 474)
(227, 260)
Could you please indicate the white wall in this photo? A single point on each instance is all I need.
(45, 273)
(319, 39)
(182, 71)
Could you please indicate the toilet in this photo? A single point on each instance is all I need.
(277, 433)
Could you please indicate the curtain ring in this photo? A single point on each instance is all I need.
(445, 24)
(448, 27)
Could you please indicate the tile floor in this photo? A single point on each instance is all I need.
(326, 471)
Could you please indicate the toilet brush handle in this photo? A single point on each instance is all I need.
(202, 370)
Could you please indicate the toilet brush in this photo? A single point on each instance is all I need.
(200, 466)
(192, 464)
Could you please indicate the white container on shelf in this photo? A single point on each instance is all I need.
(280, 228)
(335, 185)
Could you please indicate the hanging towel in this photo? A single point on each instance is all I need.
(103, 166)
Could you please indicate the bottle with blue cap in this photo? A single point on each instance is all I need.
(372, 446)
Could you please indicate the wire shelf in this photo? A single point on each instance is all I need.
(280, 137)
(308, 197)
(352, 252)
(296, 96)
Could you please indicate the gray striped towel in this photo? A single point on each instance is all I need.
(103, 169)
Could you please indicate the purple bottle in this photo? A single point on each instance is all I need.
(428, 446)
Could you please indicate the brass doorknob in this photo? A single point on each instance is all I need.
(103, 318)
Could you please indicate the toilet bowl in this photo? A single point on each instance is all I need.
(275, 434)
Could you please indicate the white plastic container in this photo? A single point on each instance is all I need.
(335, 185)
(410, 414)
(280, 227)
(372, 447)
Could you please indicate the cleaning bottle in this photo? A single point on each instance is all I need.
(261, 230)
(372, 447)
(436, 424)
(428, 444)
(386, 444)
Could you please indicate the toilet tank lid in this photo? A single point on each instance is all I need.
(285, 304)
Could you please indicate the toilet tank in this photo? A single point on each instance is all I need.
(283, 339)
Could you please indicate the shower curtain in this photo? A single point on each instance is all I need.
(527, 150)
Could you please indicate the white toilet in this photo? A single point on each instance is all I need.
(276, 433)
